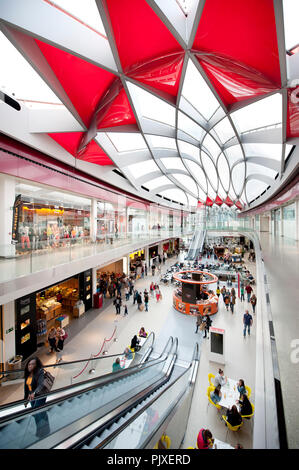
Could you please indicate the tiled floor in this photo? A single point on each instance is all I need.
(87, 333)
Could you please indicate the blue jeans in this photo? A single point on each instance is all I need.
(232, 307)
(41, 418)
(242, 297)
(146, 306)
(248, 297)
(244, 332)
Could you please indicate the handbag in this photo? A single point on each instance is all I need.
(48, 382)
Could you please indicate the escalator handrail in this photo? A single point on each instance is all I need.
(62, 389)
(138, 413)
(109, 378)
(65, 363)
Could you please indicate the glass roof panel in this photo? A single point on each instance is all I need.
(198, 93)
(157, 141)
(290, 16)
(209, 168)
(198, 173)
(142, 168)
(254, 188)
(211, 192)
(263, 150)
(221, 192)
(31, 86)
(233, 154)
(175, 194)
(188, 149)
(84, 10)
(151, 107)
(252, 168)
(155, 183)
(265, 112)
(223, 171)
(187, 125)
(187, 182)
(210, 144)
(238, 177)
(202, 194)
(124, 142)
(192, 200)
(173, 163)
(224, 130)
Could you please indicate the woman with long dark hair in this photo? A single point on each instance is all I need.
(34, 387)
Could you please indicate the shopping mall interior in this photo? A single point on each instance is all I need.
(149, 205)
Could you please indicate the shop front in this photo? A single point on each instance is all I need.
(153, 254)
(54, 306)
(137, 261)
(110, 271)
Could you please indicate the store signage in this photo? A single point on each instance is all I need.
(15, 219)
(9, 330)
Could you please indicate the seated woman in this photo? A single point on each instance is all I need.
(135, 343)
(116, 365)
(241, 387)
(233, 416)
(142, 333)
(246, 408)
(128, 354)
(216, 395)
(205, 439)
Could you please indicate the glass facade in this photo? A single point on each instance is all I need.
(289, 221)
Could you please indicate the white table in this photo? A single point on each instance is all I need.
(221, 445)
(230, 394)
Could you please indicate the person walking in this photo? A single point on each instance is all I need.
(226, 300)
(247, 321)
(52, 339)
(218, 291)
(139, 300)
(207, 320)
(117, 303)
(145, 269)
(253, 302)
(152, 289)
(125, 310)
(61, 336)
(153, 269)
(127, 293)
(248, 289)
(146, 301)
(158, 293)
(135, 295)
(232, 302)
(223, 292)
(34, 377)
(242, 293)
(198, 322)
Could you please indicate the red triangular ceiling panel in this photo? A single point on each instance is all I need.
(209, 202)
(139, 33)
(84, 83)
(218, 201)
(70, 141)
(228, 202)
(118, 113)
(293, 113)
(162, 73)
(244, 31)
(239, 205)
(234, 81)
(94, 154)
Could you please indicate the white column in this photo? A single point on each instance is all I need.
(125, 265)
(146, 256)
(9, 337)
(7, 199)
(281, 222)
(297, 218)
(93, 220)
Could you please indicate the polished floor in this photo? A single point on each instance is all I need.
(281, 259)
(88, 332)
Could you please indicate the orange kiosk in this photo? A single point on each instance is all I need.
(193, 298)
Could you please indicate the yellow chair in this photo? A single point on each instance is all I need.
(248, 390)
(230, 427)
(165, 441)
(249, 416)
(210, 377)
(209, 391)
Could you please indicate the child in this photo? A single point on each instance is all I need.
(125, 310)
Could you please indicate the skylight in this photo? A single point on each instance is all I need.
(254, 188)
(187, 125)
(198, 173)
(223, 171)
(142, 168)
(149, 106)
(85, 11)
(31, 86)
(263, 150)
(290, 16)
(157, 141)
(224, 130)
(238, 177)
(210, 144)
(209, 168)
(155, 183)
(173, 163)
(124, 142)
(188, 149)
(198, 93)
(175, 194)
(263, 113)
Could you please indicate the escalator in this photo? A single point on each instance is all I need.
(163, 413)
(70, 410)
(196, 245)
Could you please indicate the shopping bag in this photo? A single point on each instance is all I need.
(141, 307)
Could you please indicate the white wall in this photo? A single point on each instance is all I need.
(9, 338)
(7, 199)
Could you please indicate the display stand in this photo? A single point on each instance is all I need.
(217, 345)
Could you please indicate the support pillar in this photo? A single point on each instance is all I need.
(93, 220)
(94, 283)
(9, 334)
(7, 199)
